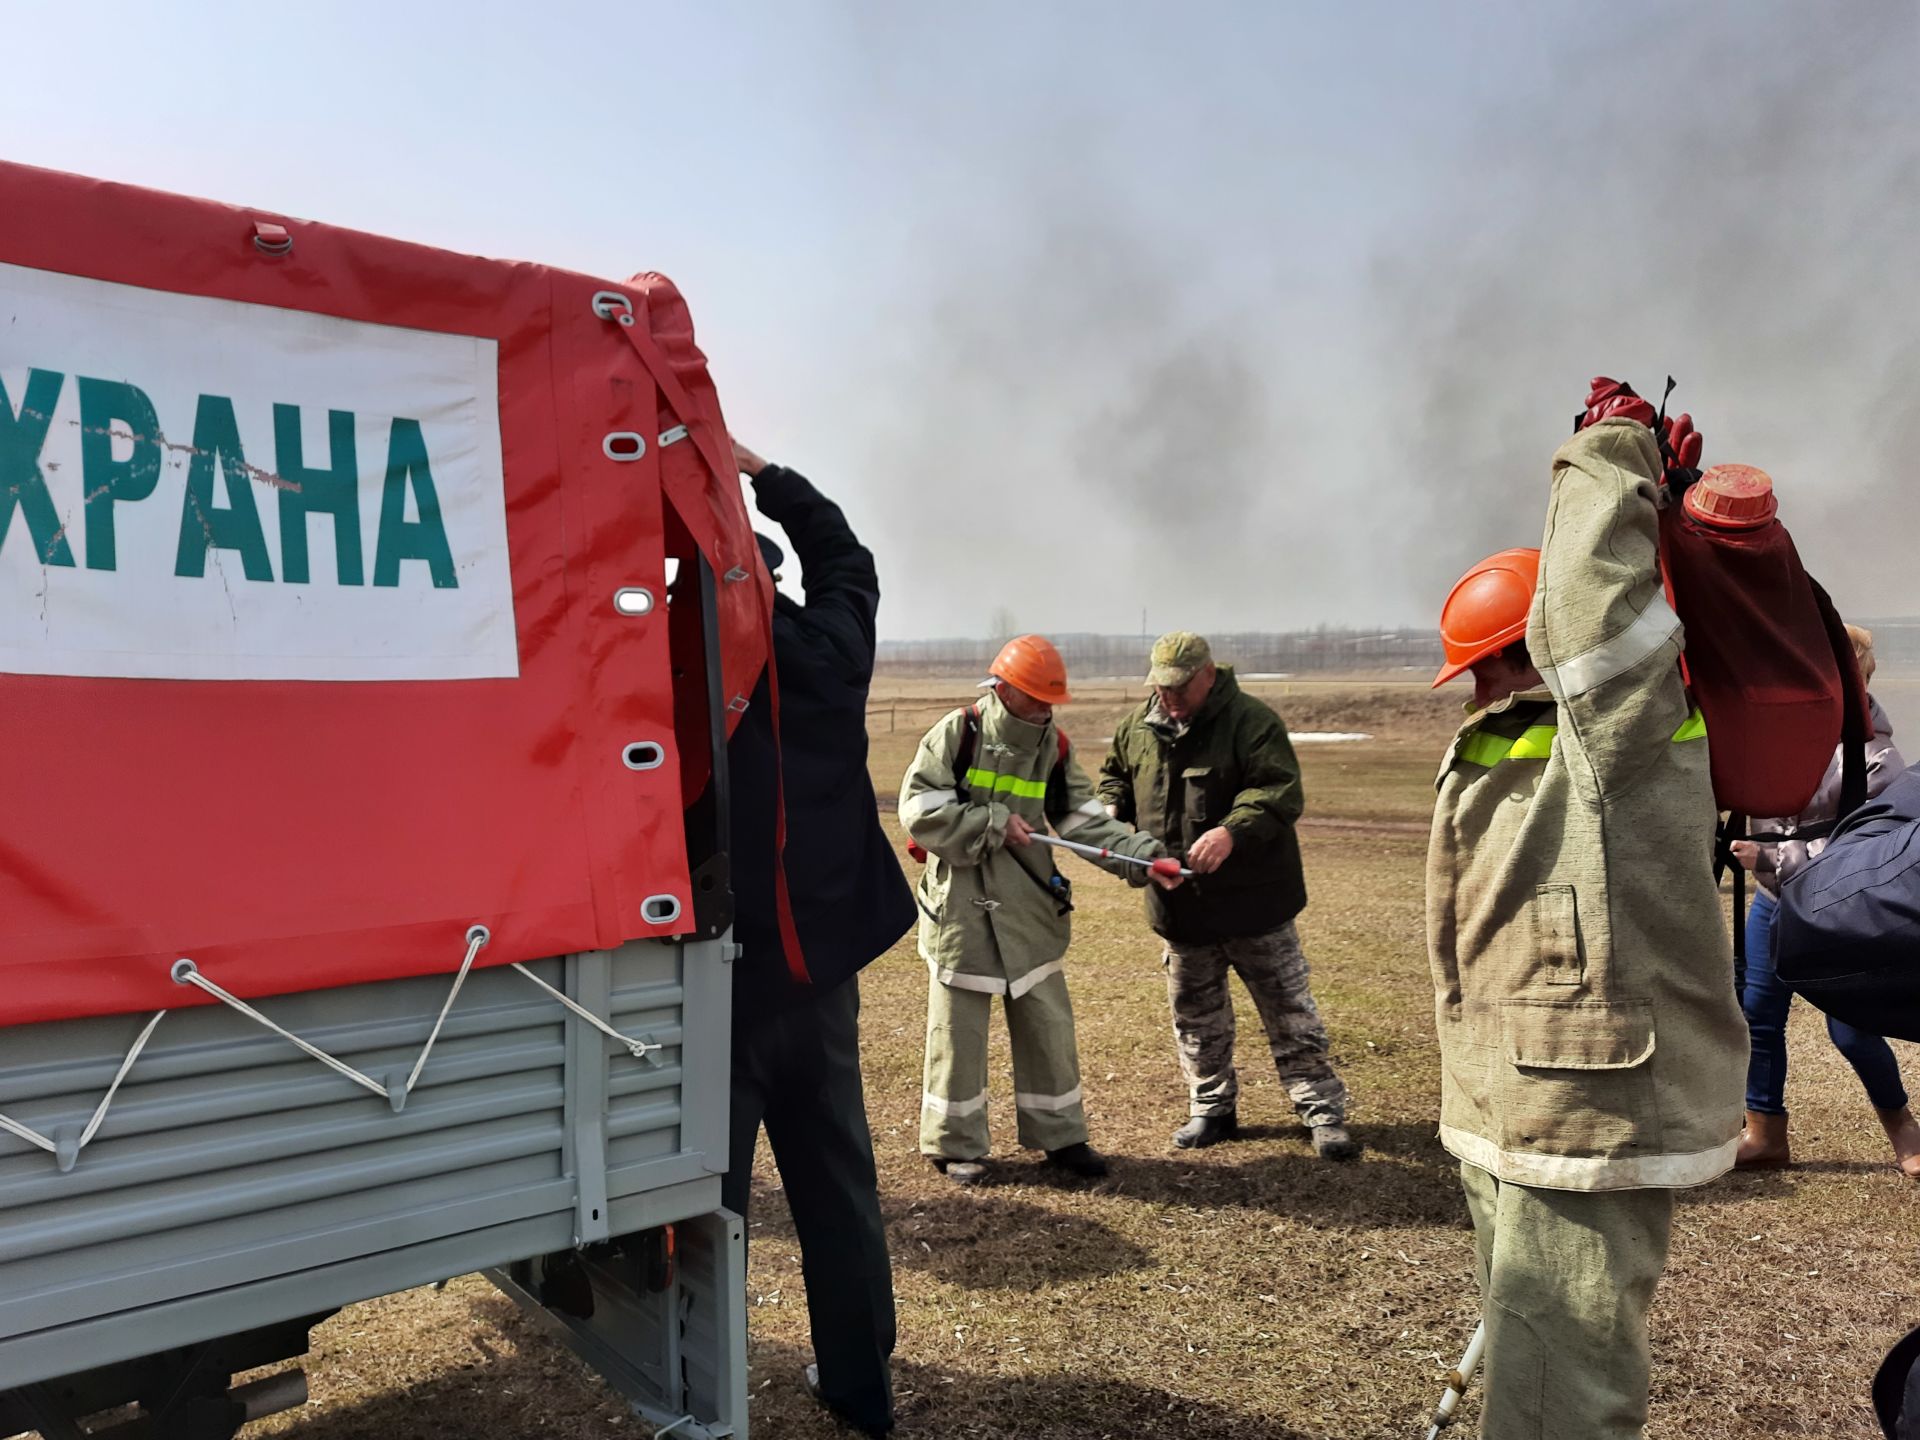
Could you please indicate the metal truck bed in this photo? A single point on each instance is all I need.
(237, 1184)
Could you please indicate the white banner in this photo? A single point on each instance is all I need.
(210, 490)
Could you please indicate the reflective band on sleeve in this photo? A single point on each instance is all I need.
(995, 784)
(1076, 819)
(1048, 1102)
(928, 801)
(1653, 628)
(933, 1102)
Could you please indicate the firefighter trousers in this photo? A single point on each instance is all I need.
(799, 1072)
(1566, 1279)
(1046, 1069)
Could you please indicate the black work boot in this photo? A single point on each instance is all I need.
(1079, 1159)
(960, 1172)
(1204, 1130)
(1332, 1142)
(874, 1429)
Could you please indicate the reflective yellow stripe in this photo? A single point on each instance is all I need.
(1488, 750)
(1536, 742)
(995, 784)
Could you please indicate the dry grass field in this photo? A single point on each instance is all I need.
(1247, 1291)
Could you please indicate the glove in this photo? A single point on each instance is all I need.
(1680, 447)
(1610, 398)
(1684, 444)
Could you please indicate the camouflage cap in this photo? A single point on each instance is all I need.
(1177, 658)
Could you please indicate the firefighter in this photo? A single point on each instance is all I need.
(994, 910)
(1208, 769)
(1592, 1052)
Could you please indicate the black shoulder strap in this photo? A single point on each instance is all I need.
(1057, 777)
(1856, 727)
(963, 757)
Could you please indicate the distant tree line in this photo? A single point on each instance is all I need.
(1125, 656)
(1294, 652)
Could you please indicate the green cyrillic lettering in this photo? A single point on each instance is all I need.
(103, 405)
(333, 491)
(403, 539)
(216, 441)
(22, 437)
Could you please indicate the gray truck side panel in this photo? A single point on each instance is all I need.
(237, 1182)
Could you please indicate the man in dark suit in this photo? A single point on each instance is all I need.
(796, 1042)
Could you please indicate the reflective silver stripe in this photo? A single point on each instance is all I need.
(1032, 978)
(1047, 1102)
(959, 980)
(933, 1102)
(926, 802)
(1585, 1172)
(1085, 815)
(1653, 628)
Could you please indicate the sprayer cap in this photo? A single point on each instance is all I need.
(1732, 497)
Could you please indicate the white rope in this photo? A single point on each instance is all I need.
(477, 937)
(34, 1137)
(185, 972)
(639, 1049)
(100, 1111)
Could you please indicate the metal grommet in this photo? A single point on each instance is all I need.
(478, 935)
(735, 575)
(183, 970)
(660, 909)
(611, 304)
(633, 600)
(738, 704)
(624, 445)
(673, 436)
(643, 755)
(270, 239)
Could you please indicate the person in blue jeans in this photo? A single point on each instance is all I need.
(1766, 1001)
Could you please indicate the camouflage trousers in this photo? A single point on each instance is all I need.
(1274, 969)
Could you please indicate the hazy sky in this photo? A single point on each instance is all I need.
(1245, 315)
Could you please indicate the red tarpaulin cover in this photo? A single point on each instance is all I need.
(318, 761)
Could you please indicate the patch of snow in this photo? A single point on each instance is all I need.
(1325, 737)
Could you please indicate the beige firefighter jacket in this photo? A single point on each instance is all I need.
(992, 917)
(1589, 1035)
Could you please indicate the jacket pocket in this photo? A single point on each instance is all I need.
(1556, 934)
(1201, 807)
(1575, 1077)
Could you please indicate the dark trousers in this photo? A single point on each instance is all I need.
(799, 1072)
(1766, 1003)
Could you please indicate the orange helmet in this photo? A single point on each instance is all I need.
(1487, 610)
(1031, 665)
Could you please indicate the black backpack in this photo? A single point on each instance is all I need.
(1896, 1390)
(1848, 933)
